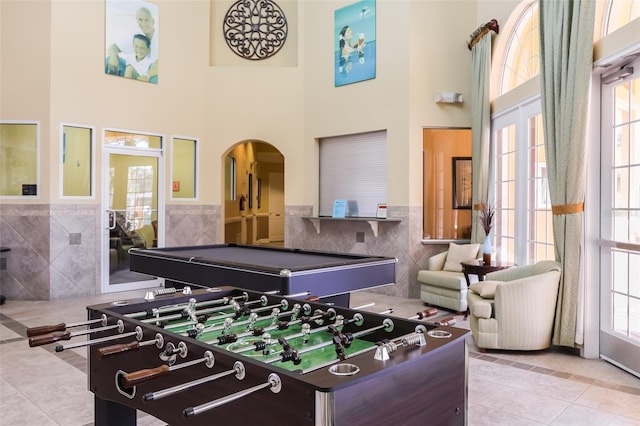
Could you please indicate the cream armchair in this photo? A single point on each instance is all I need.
(515, 308)
(443, 283)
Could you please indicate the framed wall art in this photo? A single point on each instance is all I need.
(355, 43)
(131, 39)
(462, 179)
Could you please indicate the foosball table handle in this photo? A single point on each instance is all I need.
(49, 338)
(132, 379)
(45, 329)
(116, 349)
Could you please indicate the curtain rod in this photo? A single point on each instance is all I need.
(475, 37)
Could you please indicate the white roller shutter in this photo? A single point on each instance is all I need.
(353, 168)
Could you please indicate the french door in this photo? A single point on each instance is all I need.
(132, 207)
(620, 218)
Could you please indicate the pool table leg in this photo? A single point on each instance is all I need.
(338, 300)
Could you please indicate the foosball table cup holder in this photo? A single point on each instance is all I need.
(439, 334)
(344, 369)
(120, 303)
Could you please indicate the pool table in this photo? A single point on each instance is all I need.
(287, 271)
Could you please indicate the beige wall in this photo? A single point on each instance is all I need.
(421, 50)
(183, 154)
(219, 105)
(24, 73)
(51, 70)
(419, 53)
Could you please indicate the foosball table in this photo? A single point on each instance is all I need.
(228, 356)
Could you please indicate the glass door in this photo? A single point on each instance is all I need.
(620, 227)
(132, 204)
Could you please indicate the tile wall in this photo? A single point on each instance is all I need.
(55, 249)
(401, 240)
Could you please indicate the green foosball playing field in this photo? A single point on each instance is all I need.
(294, 339)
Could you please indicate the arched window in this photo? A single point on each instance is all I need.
(618, 14)
(523, 231)
(523, 213)
(521, 60)
(520, 57)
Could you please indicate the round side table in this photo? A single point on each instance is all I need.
(479, 268)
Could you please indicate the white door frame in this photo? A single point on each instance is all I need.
(615, 347)
(276, 214)
(104, 225)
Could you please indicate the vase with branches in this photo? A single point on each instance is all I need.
(487, 212)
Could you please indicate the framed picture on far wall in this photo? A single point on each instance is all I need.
(462, 182)
(131, 40)
(355, 43)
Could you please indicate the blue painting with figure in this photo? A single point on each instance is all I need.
(355, 43)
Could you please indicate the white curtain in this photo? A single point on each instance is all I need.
(480, 128)
(566, 55)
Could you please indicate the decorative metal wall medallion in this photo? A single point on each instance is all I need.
(255, 29)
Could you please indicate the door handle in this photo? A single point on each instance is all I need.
(112, 220)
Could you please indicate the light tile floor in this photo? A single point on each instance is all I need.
(553, 387)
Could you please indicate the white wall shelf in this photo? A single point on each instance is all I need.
(372, 221)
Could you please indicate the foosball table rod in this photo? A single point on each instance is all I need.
(424, 314)
(135, 378)
(132, 346)
(358, 319)
(238, 369)
(366, 305)
(66, 335)
(138, 333)
(298, 295)
(273, 382)
(284, 305)
(46, 329)
(387, 325)
(416, 338)
(253, 317)
(320, 316)
(181, 306)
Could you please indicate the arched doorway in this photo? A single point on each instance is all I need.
(253, 194)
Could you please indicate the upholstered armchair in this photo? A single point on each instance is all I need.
(515, 308)
(147, 234)
(443, 283)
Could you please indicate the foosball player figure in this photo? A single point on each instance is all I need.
(295, 311)
(288, 353)
(228, 322)
(275, 315)
(191, 310)
(340, 341)
(202, 318)
(196, 331)
(253, 317)
(306, 331)
(240, 309)
(339, 322)
(266, 339)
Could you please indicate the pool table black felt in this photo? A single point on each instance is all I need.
(265, 258)
(288, 271)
